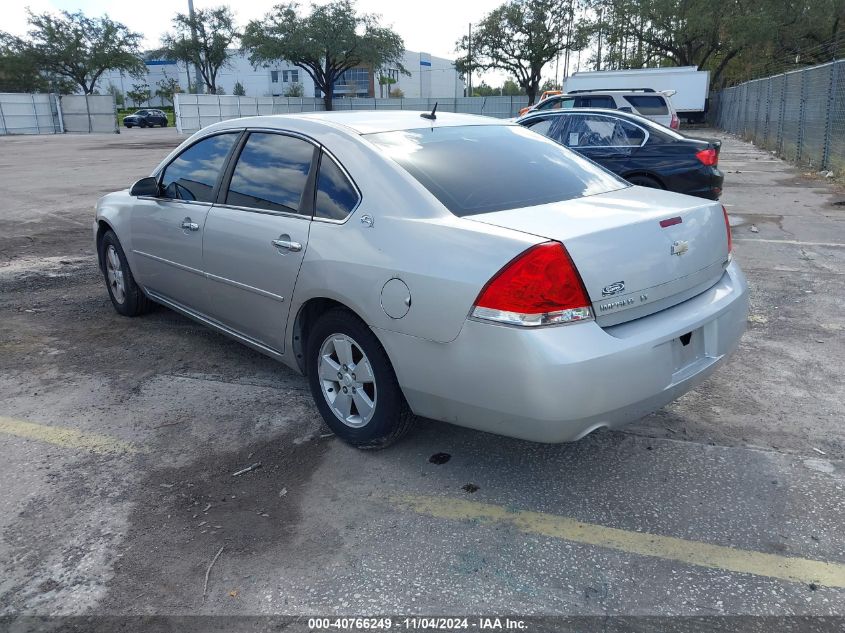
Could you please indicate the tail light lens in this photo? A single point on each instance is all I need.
(708, 157)
(539, 287)
(675, 124)
(728, 229)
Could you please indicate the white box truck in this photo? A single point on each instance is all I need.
(691, 85)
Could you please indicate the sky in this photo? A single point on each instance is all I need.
(431, 26)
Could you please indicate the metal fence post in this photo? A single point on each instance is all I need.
(35, 113)
(768, 112)
(801, 116)
(828, 130)
(59, 114)
(785, 85)
(3, 119)
(219, 108)
(239, 106)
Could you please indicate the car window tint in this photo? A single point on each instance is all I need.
(597, 102)
(648, 104)
(602, 131)
(541, 126)
(193, 174)
(271, 173)
(485, 168)
(336, 195)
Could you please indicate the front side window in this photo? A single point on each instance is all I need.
(271, 173)
(193, 174)
(586, 130)
(597, 102)
(336, 195)
(485, 168)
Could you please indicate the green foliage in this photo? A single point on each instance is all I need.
(166, 88)
(512, 89)
(328, 41)
(68, 50)
(204, 41)
(295, 90)
(728, 37)
(483, 90)
(521, 37)
(238, 90)
(115, 92)
(139, 94)
(549, 84)
(396, 93)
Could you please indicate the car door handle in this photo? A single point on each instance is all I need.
(190, 226)
(285, 242)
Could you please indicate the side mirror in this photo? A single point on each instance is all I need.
(146, 187)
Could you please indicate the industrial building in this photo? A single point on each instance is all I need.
(430, 77)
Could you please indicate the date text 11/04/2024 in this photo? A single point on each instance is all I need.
(417, 623)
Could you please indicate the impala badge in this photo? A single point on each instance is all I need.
(680, 247)
(613, 289)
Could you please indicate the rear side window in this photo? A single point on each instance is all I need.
(336, 195)
(596, 102)
(648, 104)
(591, 130)
(485, 168)
(556, 104)
(271, 173)
(193, 174)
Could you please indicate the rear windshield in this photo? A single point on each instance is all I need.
(648, 104)
(486, 168)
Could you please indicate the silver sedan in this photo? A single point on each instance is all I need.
(452, 267)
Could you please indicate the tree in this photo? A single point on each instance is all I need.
(483, 90)
(521, 37)
(385, 80)
(295, 90)
(78, 49)
(166, 89)
(512, 89)
(139, 93)
(549, 84)
(209, 50)
(330, 40)
(19, 71)
(115, 92)
(238, 90)
(396, 93)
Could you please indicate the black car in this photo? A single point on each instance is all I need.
(146, 118)
(642, 152)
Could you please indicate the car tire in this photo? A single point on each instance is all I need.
(337, 345)
(128, 125)
(142, 124)
(645, 181)
(126, 296)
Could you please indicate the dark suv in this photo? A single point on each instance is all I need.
(146, 118)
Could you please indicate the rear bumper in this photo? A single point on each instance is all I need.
(557, 384)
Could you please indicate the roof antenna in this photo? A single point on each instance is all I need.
(431, 116)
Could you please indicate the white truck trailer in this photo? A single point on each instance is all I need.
(691, 85)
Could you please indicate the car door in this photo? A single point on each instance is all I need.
(167, 231)
(257, 233)
(608, 140)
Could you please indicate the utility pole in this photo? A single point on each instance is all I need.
(598, 54)
(469, 56)
(197, 82)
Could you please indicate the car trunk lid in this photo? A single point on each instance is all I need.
(638, 250)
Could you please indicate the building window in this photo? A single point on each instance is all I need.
(290, 76)
(274, 76)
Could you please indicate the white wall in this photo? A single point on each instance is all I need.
(430, 77)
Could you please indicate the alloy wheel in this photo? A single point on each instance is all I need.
(114, 273)
(347, 380)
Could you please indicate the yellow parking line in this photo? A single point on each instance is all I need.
(666, 547)
(64, 437)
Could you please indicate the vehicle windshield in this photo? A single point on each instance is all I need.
(486, 168)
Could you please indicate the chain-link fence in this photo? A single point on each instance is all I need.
(194, 112)
(799, 115)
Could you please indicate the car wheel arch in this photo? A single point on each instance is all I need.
(307, 315)
(102, 228)
(644, 174)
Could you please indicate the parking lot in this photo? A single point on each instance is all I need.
(119, 439)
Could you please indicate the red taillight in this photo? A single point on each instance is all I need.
(728, 228)
(709, 157)
(539, 287)
(675, 124)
